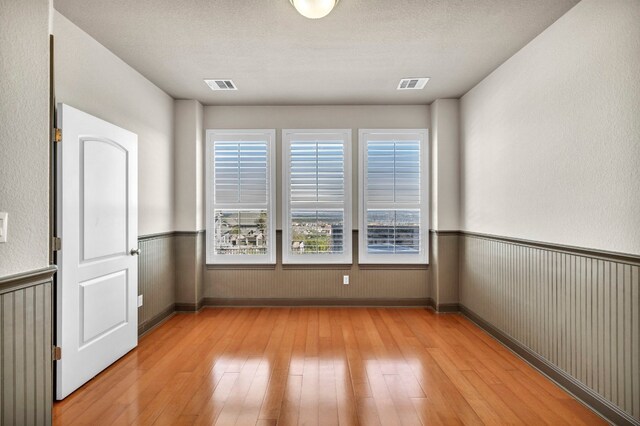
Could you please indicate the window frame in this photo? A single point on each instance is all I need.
(364, 137)
(240, 135)
(346, 257)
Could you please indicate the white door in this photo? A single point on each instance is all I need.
(97, 220)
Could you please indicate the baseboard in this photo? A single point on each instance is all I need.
(443, 308)
(592, 400)
(291, 302)
(187, 307)
(154, 322)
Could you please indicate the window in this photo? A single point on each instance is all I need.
(240, 196)
(393, 214)
(316, 188)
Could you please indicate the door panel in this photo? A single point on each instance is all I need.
(97, 220)
(104, 198)
(103, 306)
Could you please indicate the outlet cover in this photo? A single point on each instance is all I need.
(345, 279)
(139, 300)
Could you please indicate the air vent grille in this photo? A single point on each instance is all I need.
(413, 83)
(221, 84)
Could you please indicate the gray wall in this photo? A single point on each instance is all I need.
(308, 283)
(25, 354)
(443, 270)
(579, 312)
(24, 124)
(156, 279)
(189, 269)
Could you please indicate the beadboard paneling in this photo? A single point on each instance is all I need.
(444, 271)
(319, 282)
(25, 355)
(580, 313)
(156, 279)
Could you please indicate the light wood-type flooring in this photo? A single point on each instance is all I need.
(320, 366)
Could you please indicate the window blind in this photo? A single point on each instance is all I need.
(317, 172)
(240, 172)
(240, 196)
(393, 171)
(393, 195)
(316, 196)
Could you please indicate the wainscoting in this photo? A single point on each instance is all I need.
(317, 284)
(574, 313)
(444, 271)
(26, 348)
(156, 279)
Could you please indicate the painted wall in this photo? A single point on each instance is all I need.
(91, 78)
(188, 165)
(551, 139)
(317, 117)
(24, 122)
(445, 165)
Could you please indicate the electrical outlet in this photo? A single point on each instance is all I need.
(345, 279)
(4, 217)
(139, 300)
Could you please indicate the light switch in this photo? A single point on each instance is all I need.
(4, 217)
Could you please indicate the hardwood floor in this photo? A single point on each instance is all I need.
(324, 366)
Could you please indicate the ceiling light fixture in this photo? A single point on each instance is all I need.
(314, 9)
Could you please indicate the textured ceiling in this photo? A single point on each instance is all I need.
(356, 55)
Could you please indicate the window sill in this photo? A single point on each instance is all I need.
(339, 266)
(265, 266)
(319, 266)
(393, 266)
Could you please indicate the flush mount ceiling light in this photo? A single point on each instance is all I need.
(314, 9)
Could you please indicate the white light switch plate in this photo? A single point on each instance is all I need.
(345, 279)
(139, 300)
(4, 217)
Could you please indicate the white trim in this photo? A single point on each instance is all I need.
(364, 136)
(244, 135)
(346, 257)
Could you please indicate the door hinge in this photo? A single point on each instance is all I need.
(56, 243)
(57, 353)
(57, 135)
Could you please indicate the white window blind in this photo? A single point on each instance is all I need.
(316, 196)
(394, 196)
(240, 194)
(240, 171)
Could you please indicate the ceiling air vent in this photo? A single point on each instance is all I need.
(413, 83)
(221, 84)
